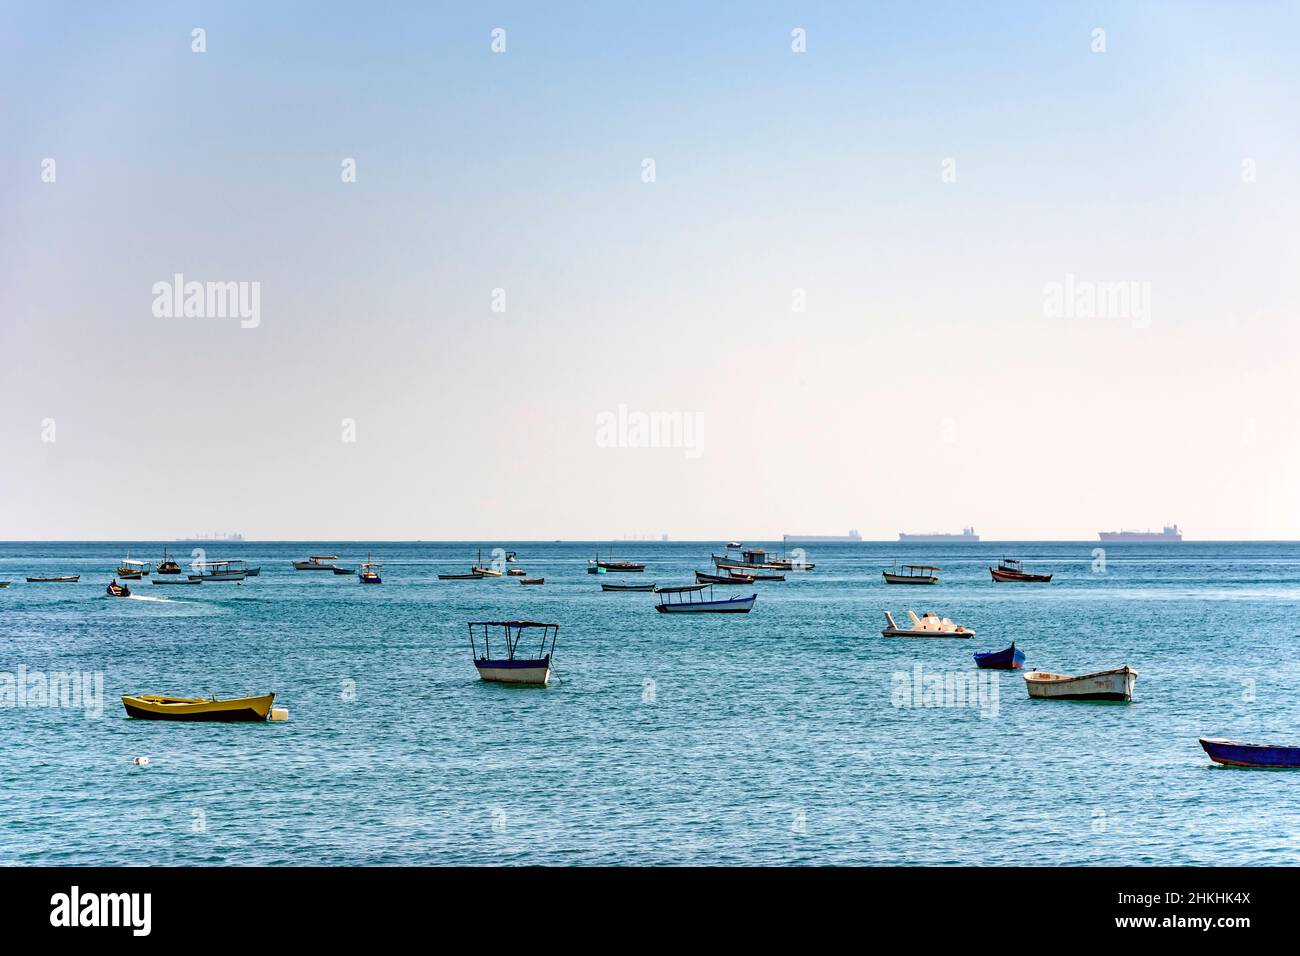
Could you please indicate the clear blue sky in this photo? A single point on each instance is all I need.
(923, 388)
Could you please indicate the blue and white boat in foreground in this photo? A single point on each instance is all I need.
(1233, 753)
(511, 666)
(702, 602)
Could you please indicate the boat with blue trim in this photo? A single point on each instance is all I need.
(1012, 659)
(698, 602)
(513, 667)
(1234, 753)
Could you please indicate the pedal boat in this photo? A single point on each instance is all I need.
(160, 707)
(927, 625)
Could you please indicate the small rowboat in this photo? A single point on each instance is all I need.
(627, 587)
(1114, 684)
(1236, 754)
(916, 574)
(703, 578)
(516, 572)
(339, 569)
(532, 580)
(1012, 659)
(117, 590)
(1010, 569)
(472, 576)
(185, 580)
(159, 707)
(65, 579)
(513, 668)
(927, 625)
(686, 603)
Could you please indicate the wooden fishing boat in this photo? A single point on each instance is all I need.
(167, 565)
(133, 570)
(484, 569)
(685, 602)
(1114, 684)
(316, 562)
(516, 572)
(513, 667)
(340, 570)
(472, 576)
(369, 573)
(915, 574)
(532, 580)
(619, 567)
(62, 579)
(927, 625)
(702, 578)
(1012, 659)
(185, 580)
(758, 558)
(1011, 569)
(4, 584)
(215, 571)
(627, 587)
(117, 590)
(1234, 753)
(161, 707)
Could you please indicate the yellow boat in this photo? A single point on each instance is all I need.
(159, 707)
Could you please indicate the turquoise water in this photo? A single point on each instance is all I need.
(764, 738)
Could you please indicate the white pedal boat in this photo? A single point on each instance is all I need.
(927, 625)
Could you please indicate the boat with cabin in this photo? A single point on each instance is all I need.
(232, 570)
(597, 566)
(317, 562)
(702, 602)
(485, 570)
(1116, 684)
(514, 667)
(162, 707)
(133, 570)
(1012, 659)
(1012, 569)
(927, 625)
(760, 559)
(1235, 753)
(912, 574)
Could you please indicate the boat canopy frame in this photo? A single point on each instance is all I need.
(513, 634)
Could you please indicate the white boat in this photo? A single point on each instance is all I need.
(1103, 685)
(235, 570)
(927, 625)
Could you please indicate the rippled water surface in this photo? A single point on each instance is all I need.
(772, 737)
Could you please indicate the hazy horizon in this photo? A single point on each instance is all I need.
(947, 266)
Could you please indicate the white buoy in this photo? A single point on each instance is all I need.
(279, 713)
(140, 761)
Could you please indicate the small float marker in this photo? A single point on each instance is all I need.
(140, 761)
(279, 713)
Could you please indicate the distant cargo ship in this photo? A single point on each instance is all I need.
(823, 538)
(967, 534)
(1170, 533)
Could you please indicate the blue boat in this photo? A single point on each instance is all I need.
(1235, 754)
(693, 602)
(1012, 659)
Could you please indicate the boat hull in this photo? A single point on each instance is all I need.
(1003, 576)
(311, 566)
(67, 579)
(1113, 685)
(730, 606)
(1233, 753)
(460, 577)
(910, 632)
(627, 587)
(702, 578)
(909, 578)
(1012, 659)
(193, 709)
(535, 673)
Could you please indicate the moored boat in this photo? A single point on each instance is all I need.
(369, 573)
(61, 579)
(702, 577)
(1011, 569)
(117, 590)
(342, 571)
(757, 558)
(1235, 753)
(685, 602)
(316, 562)
(167, 565)
(131, 569)
(513, 667)
(516, 572)
(485, 570)
(162, 707)
(927, 625)
(613, 567)
(532, 580)
(1012, 659)
(916, 574)
(1114, 684)
(472, 576)
(231, 570)
(627, 587)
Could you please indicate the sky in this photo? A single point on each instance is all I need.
(832, 279)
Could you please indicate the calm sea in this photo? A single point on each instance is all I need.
(789, 735)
